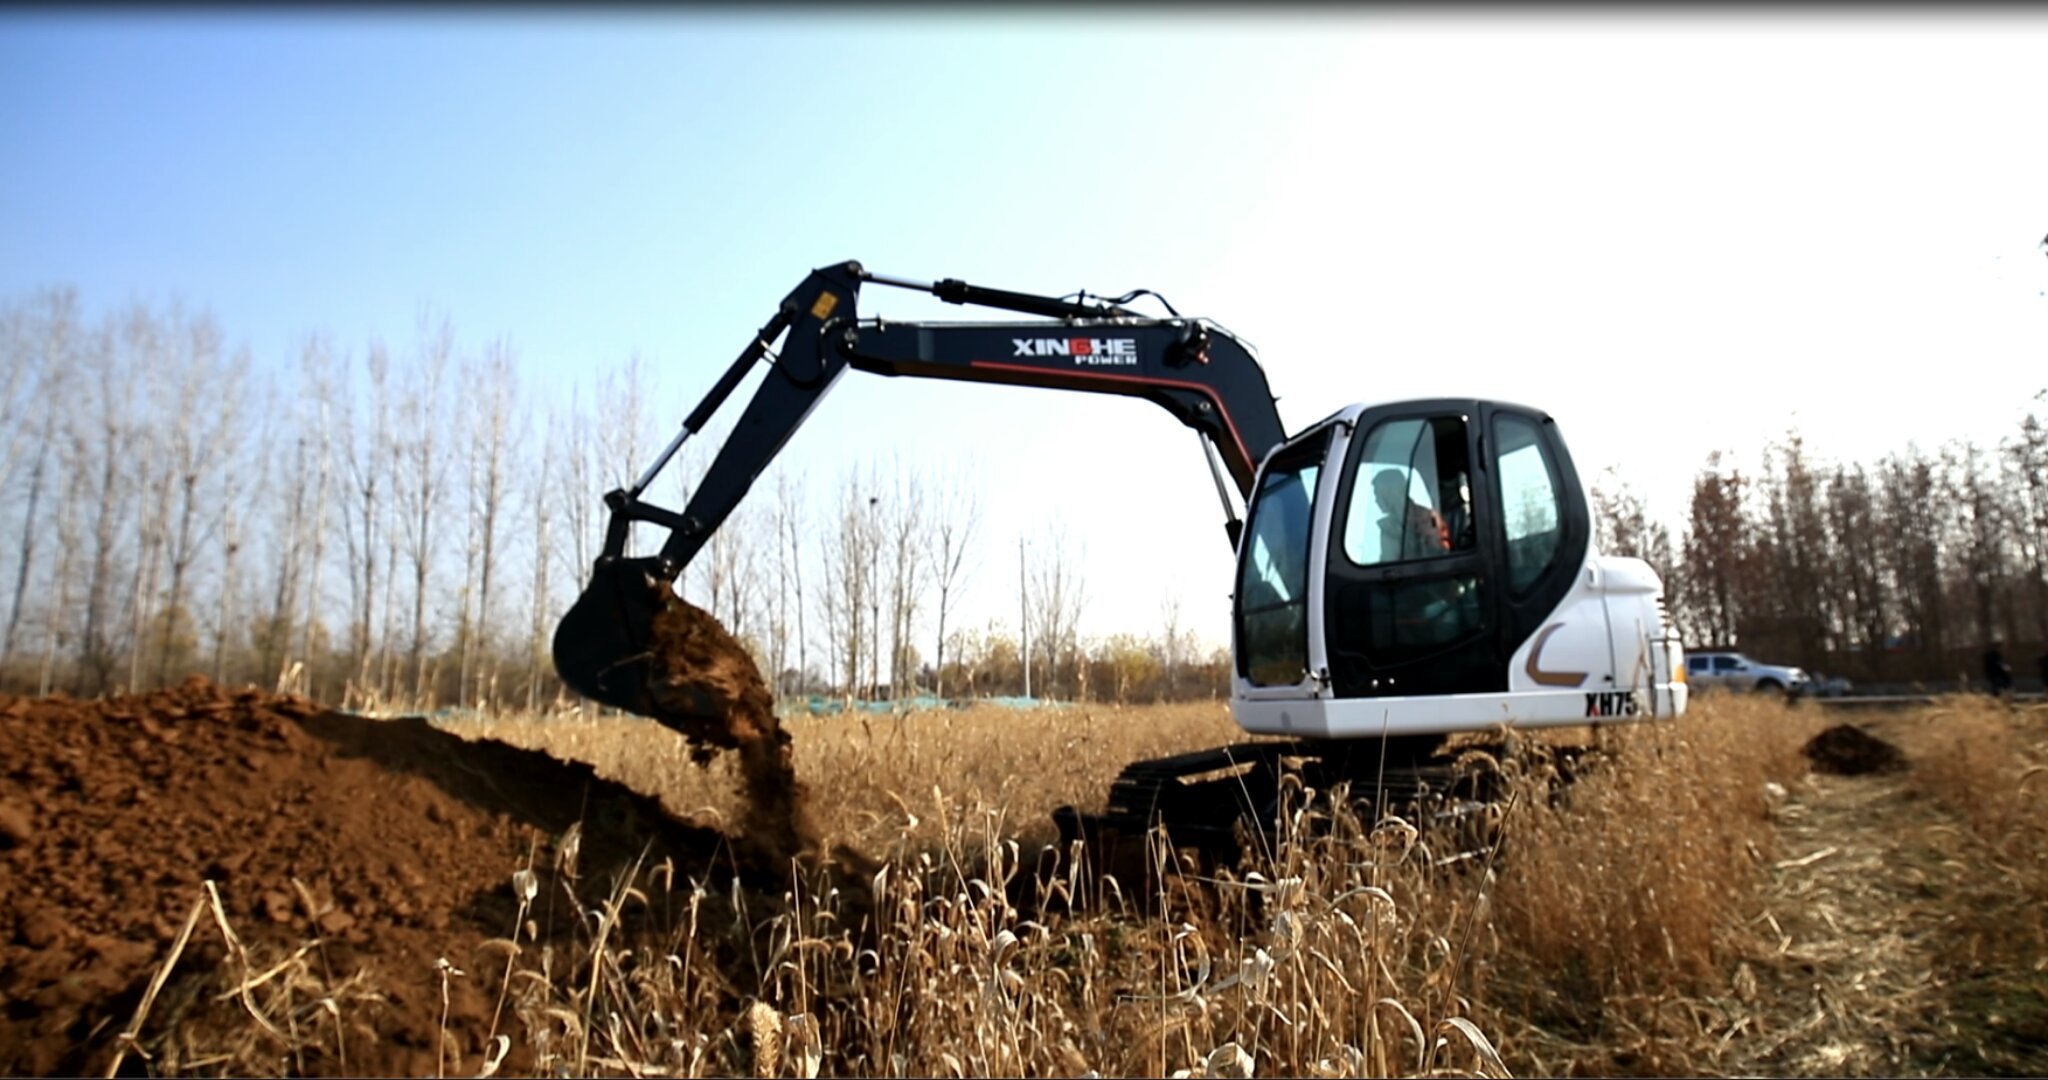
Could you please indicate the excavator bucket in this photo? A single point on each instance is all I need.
(630, 642)
(603, 645)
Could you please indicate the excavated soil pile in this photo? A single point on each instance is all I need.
(1847, 750)
(707, 686)
(390, 841)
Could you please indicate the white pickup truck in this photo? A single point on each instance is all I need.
(1734, 671)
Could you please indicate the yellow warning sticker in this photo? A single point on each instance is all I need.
(826, 302)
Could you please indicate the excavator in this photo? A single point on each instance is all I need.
(1406, 571)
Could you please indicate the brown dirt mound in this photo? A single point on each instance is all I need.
(1847, 750)
(392, 842)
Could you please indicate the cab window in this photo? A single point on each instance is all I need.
(1272, 585)
(1411, 493)
(1530, 507)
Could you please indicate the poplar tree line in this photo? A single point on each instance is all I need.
(1903, 570)
(402, 523)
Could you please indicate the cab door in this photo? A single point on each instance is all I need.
(1457, 528)
(1540, 524)
(1276, 557)
(1409, 596)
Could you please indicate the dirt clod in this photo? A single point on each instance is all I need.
(16, 827)
(1847, 750)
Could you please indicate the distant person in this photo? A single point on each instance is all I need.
(1409, 530)
(1997, 673)
(2042, 663)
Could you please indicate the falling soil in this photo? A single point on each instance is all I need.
(392, 843)
(631, 643)
(1847, 750)
(706, 685)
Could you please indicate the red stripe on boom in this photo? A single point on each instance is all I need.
(1103, 376)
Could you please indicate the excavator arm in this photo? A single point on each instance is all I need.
(610, 647)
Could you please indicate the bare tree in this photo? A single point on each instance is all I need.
(731, 571)
(229, 593)
(35, 340)
(208, 397)
(848, 597)
(387, 680)
(41, 342)
(275, 640)
(902, 521)
(2027, 483)
(422, 477)
(1058, 595)
(493, 382)
(790, 553)
(299, 485)
(1859, 572)
(365, 510)
(58, 617)
(1785, 609)
(325, 373)
(871, 583)
(955, 517)
(1909, 487)
(543, 551)
(1716, 556)
(623, 425)
(38, 476)
(597, 445)
(143, 337)
(109, 397)
(1981, 530)
(1624, 526)
(577, 473)
(1173, 651)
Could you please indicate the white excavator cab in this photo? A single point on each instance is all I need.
(1427, 567)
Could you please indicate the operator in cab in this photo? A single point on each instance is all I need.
(1409, 530)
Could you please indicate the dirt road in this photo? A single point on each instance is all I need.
(1869, 969)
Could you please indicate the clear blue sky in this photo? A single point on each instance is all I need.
(1679, 233)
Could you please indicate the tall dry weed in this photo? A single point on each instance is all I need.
(1986, 762)
(1343, 952)
(1621, 891)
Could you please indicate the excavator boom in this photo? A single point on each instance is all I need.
(621, 643)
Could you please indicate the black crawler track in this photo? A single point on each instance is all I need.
(1215, 801)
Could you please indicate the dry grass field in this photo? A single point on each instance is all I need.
(1702, 904)
(1697, 901)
